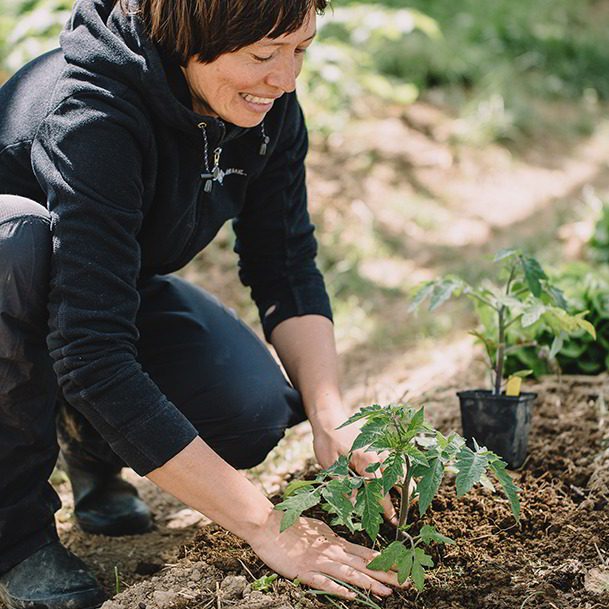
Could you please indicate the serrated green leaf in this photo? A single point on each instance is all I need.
(288, 519)
(558, 297)
(585, 324)
(340, 467)
(486, 482)
(362, 413)
(335, 495)
(294, 485)
(504, 253)
(441, 440)
(373, 467)
(429, 484)
(295, 505)
(422, 558)
(404, 565)
(368, 503)
(422, 293)
(557, 344)
(471, 465)
(532, 314)
(417, 420)
(533, 274)
(392, 472)
(362, 440)
(388, 557)
(416, 456)
(417, 574)
(429, 535)
(509, 488)
(442, 291)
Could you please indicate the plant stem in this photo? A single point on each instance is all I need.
(500, 353)
(501, 345)
(405, 500)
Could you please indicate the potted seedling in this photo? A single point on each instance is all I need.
(414, 451)
(500, 417)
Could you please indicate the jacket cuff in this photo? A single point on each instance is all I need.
(307, 301)
(162, 436)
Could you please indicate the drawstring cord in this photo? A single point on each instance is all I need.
(215, 173)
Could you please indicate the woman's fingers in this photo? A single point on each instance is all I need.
(319, 581)
(310, 551)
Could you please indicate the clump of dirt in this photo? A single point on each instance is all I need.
(551, 560)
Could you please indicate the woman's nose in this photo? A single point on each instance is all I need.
(284, 75)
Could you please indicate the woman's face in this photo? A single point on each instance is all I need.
(241, 87)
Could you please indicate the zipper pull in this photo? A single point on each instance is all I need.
(216, 168)
(264, 145)
(208, 184)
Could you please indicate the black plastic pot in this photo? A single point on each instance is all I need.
(500, 422)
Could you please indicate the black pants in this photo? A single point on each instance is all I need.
(207, 362)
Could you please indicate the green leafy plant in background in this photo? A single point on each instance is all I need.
(525, 299)
(29, 28)
(598, 246)
(415, 452)
(586, 288)
(341, 74)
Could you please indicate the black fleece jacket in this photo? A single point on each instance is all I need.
(101, 131)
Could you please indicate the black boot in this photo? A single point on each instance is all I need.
(51, 578)
(104, 503)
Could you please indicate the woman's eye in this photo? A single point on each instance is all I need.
(300, 51)
(262, 59)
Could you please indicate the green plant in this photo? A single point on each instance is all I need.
(262, 584)
(117, 579)
(415, 451)
(586, 288)
(524, 297)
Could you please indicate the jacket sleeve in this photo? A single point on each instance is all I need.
(88, 157)
(275, 239)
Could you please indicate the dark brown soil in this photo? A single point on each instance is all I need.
(554, 559)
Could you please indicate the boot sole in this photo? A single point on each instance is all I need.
(55, 603)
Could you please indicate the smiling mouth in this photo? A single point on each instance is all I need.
(257, 100)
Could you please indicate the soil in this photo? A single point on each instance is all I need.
(558, 558)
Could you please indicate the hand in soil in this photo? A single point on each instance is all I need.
(329, 443)
(310, 551)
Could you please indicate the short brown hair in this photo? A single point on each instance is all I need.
(207, 29)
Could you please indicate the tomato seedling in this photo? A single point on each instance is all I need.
(414, 451)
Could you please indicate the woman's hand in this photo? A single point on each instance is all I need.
(329, 443)
(310, 551)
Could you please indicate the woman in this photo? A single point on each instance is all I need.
(121, 155)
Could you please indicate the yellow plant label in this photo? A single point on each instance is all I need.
(513, 385)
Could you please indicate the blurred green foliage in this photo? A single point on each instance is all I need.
(586, 288)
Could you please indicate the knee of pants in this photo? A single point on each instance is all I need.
(25, 255)
(244, 434)
(248, 449)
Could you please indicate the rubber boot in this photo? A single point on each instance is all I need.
(104, 503)
(51, 578)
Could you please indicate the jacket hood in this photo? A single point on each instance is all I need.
(110, 42)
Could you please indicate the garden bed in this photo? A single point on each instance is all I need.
(558, 558)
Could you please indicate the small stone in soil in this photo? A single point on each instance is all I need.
(164, 599)
(232, 587)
